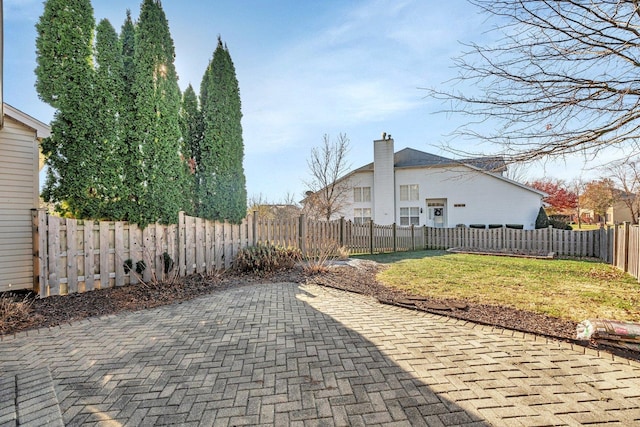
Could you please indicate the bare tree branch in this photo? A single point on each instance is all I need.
(327, 164)
(562, 78)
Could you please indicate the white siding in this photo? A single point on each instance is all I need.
(362, 179)
(18, 195)
(486, 199)
(383, 182)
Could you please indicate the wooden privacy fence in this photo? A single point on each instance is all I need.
(77, 256)
(626, 250)
(590, 243)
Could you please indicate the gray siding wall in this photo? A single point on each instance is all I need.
(18, 195)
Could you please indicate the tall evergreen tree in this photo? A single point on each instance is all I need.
(128, 42)
(160, 196)
(222, 193)
(64, 80)
(132, 158)
(191, 127)
(108, 118)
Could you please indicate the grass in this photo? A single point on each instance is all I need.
(585, 227)
(568, 289)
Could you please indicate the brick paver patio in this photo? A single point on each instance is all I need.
(283, 354)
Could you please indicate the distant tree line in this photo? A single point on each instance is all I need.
(125, 143)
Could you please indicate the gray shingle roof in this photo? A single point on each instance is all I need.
(409, 158)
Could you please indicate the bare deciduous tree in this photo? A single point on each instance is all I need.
(328, 193)
(626, 176)
(517, 172)
(577, 187)
(561, 78)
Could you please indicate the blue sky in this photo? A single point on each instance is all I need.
(305, 69)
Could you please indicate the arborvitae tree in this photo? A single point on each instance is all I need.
(191, 123)
(131, 159)
(222, 193)
(542, 220)
(128, 42)
(191, 126)
(160, 195)
(65, 80)
(108, 118)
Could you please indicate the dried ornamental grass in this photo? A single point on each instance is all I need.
(13, 311)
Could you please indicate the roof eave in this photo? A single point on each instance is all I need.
(42, 130)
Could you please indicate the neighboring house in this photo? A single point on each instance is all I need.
(617, 213)
(20, 164)
(412, 187)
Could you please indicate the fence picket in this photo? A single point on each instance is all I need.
(119, 256)
(89, 280)
(72, 253)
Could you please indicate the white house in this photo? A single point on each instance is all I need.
(20, 163)
(412, 187)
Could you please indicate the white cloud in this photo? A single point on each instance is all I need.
(365, 67)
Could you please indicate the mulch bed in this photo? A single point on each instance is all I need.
(359, 276)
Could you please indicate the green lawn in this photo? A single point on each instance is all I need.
(585, 227)
(569, 289)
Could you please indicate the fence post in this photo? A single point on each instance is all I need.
(39, 237)
(626, 246)
(302, 234)
(550, 238)
(603, 250)
(182, 245)
(597, 242)
(614, 244)
(413, 238)
(371, 236)
(394, 233)
(341, 225)
(424, 237)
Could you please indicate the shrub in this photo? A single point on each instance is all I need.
(559, 224)
(318, 261)
(514, 226)
(265, 258)
(542, 221)
(495, 225)
(560, 217)
(477, 226)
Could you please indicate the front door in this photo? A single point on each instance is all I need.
(437, 213)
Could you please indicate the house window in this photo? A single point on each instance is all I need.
(409, 192)
(361, 194)
(362, 216)
(409, 216)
